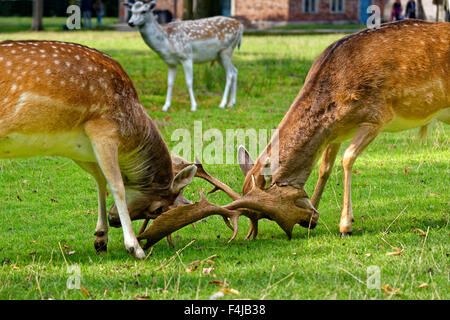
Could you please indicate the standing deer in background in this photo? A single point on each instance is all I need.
(68, 100)
(189, 42)
(358, 87)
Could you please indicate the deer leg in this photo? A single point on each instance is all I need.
(105, 144)
(233, 88)
(326, 166)
(101, 230)
(225, 61)
(170, 81)
(188, 68)
(364, 135)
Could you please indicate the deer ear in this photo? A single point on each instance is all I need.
(245, 160)
(152, 5)
(183, 178)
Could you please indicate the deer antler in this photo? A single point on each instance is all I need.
(179, 164)
(175, 219)
(284, 205)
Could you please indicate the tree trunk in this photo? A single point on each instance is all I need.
(421, 12)
(38, 12)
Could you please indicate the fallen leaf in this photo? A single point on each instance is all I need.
(85, 291)
(422, 233)
(397, 252)
(387, 288)
(190, 269)
(232, 291)
(69, 253)
(368, 254)
(423, 285)
(207, 270)
(141, 297)
(219, 283)
(32, 252)
(54, 200)
(65, 246)
(20, 199)
(25, 181)
(406, 171)
(434, 194)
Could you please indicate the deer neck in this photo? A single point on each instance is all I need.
(155, 36)
(302, 135)
(147, 167)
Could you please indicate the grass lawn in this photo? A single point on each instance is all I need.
(47, 220)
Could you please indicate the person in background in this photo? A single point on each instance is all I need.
(410, 12)
(447, 10)
(99, 11)
(397, 11)
(86, 11)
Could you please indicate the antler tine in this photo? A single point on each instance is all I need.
(179, 163)
(218, 185)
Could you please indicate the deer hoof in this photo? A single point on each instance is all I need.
(345, 234)
(100, 245)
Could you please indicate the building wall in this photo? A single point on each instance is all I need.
(262, 10)
(351, 11)
(262, 13)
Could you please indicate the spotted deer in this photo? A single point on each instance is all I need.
(378, 80)
(188, 43)
(64, 99)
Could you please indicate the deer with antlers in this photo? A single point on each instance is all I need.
(190, 42)
(357, 88)
(68, 100)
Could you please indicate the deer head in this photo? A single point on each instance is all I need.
(287, 206)
(139, 11)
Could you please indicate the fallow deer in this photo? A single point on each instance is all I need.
(69, 100)
(189, 42)
(389, 79)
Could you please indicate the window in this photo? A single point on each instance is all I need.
(310, 6)
(337, 6)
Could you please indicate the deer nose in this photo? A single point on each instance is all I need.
(114, 222)
(131, 23)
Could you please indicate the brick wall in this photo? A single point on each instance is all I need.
(257, 12)
(265, 10)
(284, 11)
(351, 11)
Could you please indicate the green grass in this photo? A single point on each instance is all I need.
(22, 24)
(399, 185)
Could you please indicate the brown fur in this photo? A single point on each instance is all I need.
(52, 90)
(365, 80)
